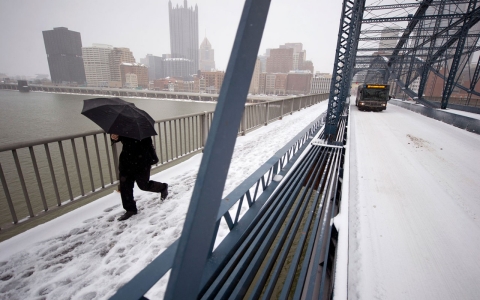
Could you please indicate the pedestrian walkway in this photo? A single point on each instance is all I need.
(88, 254)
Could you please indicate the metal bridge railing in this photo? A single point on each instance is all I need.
(282, 242)
(473, 102)
(40, 176)
(237, 211)
(260, 114)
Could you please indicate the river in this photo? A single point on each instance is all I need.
(25, 117)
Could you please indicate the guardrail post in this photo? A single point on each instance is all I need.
(7, 194)
(116, 155)
(22, 182)
(204, 128)
(267, 108)
(242, 123)
(281, 110)
(39, 180)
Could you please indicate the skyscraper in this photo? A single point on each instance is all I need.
(207, 56)
(64, 55)
(184, 33)
(280, 60)
(97, 64)
(300, 61)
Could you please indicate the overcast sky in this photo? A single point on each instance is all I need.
(142, 26)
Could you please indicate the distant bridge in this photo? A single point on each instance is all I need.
(118, 92)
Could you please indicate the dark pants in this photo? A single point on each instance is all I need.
(142, 177)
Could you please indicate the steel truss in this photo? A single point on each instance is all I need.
(436, 48)
(424, 50)
(348, 34)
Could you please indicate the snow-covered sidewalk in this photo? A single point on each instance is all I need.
(88, 254)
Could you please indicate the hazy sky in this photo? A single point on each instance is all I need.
(142, 26)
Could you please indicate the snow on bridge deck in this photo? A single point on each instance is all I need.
(414, 208)
(414, 217)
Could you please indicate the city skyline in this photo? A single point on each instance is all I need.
(143, 27)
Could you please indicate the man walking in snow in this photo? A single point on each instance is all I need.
(134, 166)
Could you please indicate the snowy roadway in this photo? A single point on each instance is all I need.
(414, 208)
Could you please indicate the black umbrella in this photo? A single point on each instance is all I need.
(117, 116)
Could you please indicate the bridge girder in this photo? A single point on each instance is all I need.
(439, 42)
(440, 37)
(348, 34)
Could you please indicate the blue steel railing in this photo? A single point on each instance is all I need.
(255, 191)
(40, 176)
(284, 209)
(284, 247)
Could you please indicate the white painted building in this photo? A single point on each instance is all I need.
(270, 84)
(321, 83)
(131, 80)
(96, 60)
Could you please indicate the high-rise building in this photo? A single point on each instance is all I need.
(299, 55)
(184, 33)
(64, 55)
(263, 62)
(280, 60)
(298, 60)
(297, 47)
(117, 57)
(207, 56)
(96, 60)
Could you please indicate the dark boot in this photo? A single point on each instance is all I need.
(164, 192)
(127, 215)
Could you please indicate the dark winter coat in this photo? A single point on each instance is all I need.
(136, 155)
